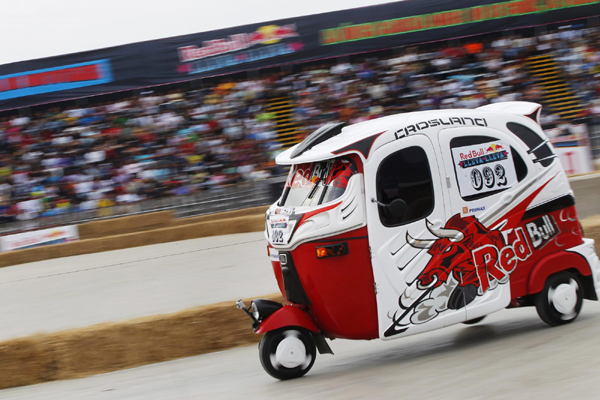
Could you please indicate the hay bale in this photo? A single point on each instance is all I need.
(261, 210)
(76, 353)
(26, 361)
(117, 226)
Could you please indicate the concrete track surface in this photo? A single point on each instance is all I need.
(512, 354)
(587, 194)
(78, 291)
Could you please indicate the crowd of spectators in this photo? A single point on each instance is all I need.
(178, 142)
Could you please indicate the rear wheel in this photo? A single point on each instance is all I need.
(561, 299)
(287, 353)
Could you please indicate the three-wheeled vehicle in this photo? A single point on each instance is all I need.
(418, 221)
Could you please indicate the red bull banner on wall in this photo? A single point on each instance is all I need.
(42, 237)
(273, 43)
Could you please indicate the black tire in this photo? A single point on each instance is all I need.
(296, 349)
(561, 299)
(474, 320)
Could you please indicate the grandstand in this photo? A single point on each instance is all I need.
(100, 134)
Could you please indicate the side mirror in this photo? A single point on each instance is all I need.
(397, 207)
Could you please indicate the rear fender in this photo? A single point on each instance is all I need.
(557, 262)
(287, 316)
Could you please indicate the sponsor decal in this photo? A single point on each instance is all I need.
(227, 52)
(467, 210)
(279, 228)
(494, 265)
(483, 168)
(419, 126)
(273, 254)
(55, 79)
(542, 230)
(285, 211)
(443, 19)
(492, 154)
(467, 260)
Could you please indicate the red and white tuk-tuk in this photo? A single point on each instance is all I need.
(418, 221)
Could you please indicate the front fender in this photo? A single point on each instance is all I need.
(287, 316)
(557, 262)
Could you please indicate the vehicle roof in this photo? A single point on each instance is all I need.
(364, 137)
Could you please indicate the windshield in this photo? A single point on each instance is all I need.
(317, 183)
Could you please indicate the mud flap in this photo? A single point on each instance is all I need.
(321, 343)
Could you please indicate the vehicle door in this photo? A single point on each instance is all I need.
(484, 169)
(412, 290)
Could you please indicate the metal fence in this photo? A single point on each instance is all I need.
(207, 202)
(594, 130)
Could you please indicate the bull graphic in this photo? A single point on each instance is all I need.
(451, 254)
(450, 279)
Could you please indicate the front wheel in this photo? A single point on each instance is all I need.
(561, 299)
(287, 353)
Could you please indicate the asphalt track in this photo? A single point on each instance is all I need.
(511, 354)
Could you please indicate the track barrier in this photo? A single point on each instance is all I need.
(141, 230)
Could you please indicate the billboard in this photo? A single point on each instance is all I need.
(64, 77)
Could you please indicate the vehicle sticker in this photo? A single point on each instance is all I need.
(278, 228)
(468, 259)
(466, 121)
(284, 211)
(472, 210)
(273, 254)
(542, 230)
(484, 168)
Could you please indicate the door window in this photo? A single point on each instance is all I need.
(405, 175)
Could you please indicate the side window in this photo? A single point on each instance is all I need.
(484, 166)
(538, 146)
(405, 175)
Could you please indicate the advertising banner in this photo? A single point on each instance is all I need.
(41, 237)
(273, 43)
(573, 150)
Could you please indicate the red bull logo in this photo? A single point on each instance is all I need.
(267, 34)
(494, 264)
(452, 253)
(476, 257)
(453, 277)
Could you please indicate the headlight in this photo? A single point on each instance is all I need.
(261, 309)
(254, 311)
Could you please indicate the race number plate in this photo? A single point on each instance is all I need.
(279, 229)
(484, 168)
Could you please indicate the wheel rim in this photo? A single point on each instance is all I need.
(564, 299)
(291, 352)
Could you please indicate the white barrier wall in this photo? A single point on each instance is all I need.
(42, 237)
(573, 151)
(575, 160)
